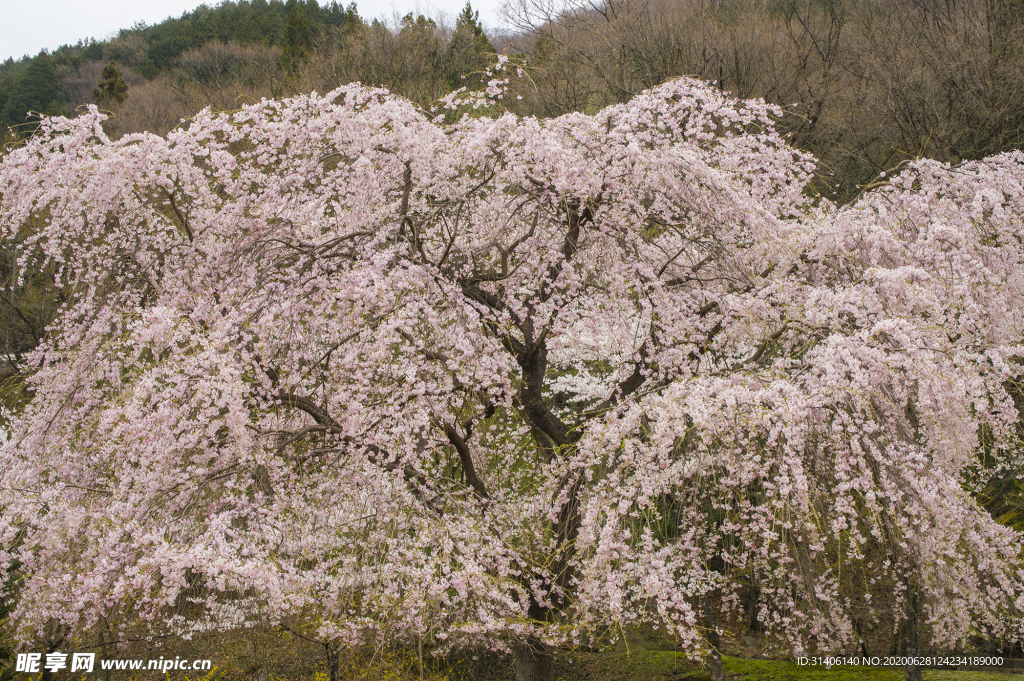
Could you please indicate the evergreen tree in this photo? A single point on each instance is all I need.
(249, 31)
(6, 84)
(93, 50)
(272, 22)
(37, 89)
(468, 19)
(469, 49)
(298, 39)
(111, 90)
(344, 17)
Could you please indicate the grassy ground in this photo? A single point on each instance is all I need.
(637, 665)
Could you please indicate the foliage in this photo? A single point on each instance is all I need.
(246, 22)
(468, 51)
(298, 42)
(36, 90)
(111, 89)
(508, 381)
(864, 85)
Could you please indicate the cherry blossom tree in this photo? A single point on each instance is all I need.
(333, 364)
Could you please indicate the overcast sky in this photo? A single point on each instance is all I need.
(30, 25)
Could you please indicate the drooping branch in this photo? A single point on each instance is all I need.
(181, 216)
(491, 301)
(28, 323)
(299, 434)
(759, 352)
(307, 405)
(465, 456)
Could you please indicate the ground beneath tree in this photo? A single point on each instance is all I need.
(276, 655)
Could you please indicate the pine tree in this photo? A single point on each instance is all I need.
(470, 20)
(469, 49)
(93, 50)
(37, 89)
(111, 90)
(298, 39)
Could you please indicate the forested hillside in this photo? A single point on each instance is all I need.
(211, 45)
(59, 82)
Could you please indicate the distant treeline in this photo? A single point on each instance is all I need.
(35, 83)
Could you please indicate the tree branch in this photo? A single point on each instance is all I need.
(181, 216)
(467, 461)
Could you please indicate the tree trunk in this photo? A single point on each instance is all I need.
(419, 653)
(333, 651)
(55, 637)
(911, 606)
(534, 661)
(715, 668)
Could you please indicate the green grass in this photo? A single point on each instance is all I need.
(639, 665)
(949, 675)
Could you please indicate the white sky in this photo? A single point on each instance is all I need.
(28, 26)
